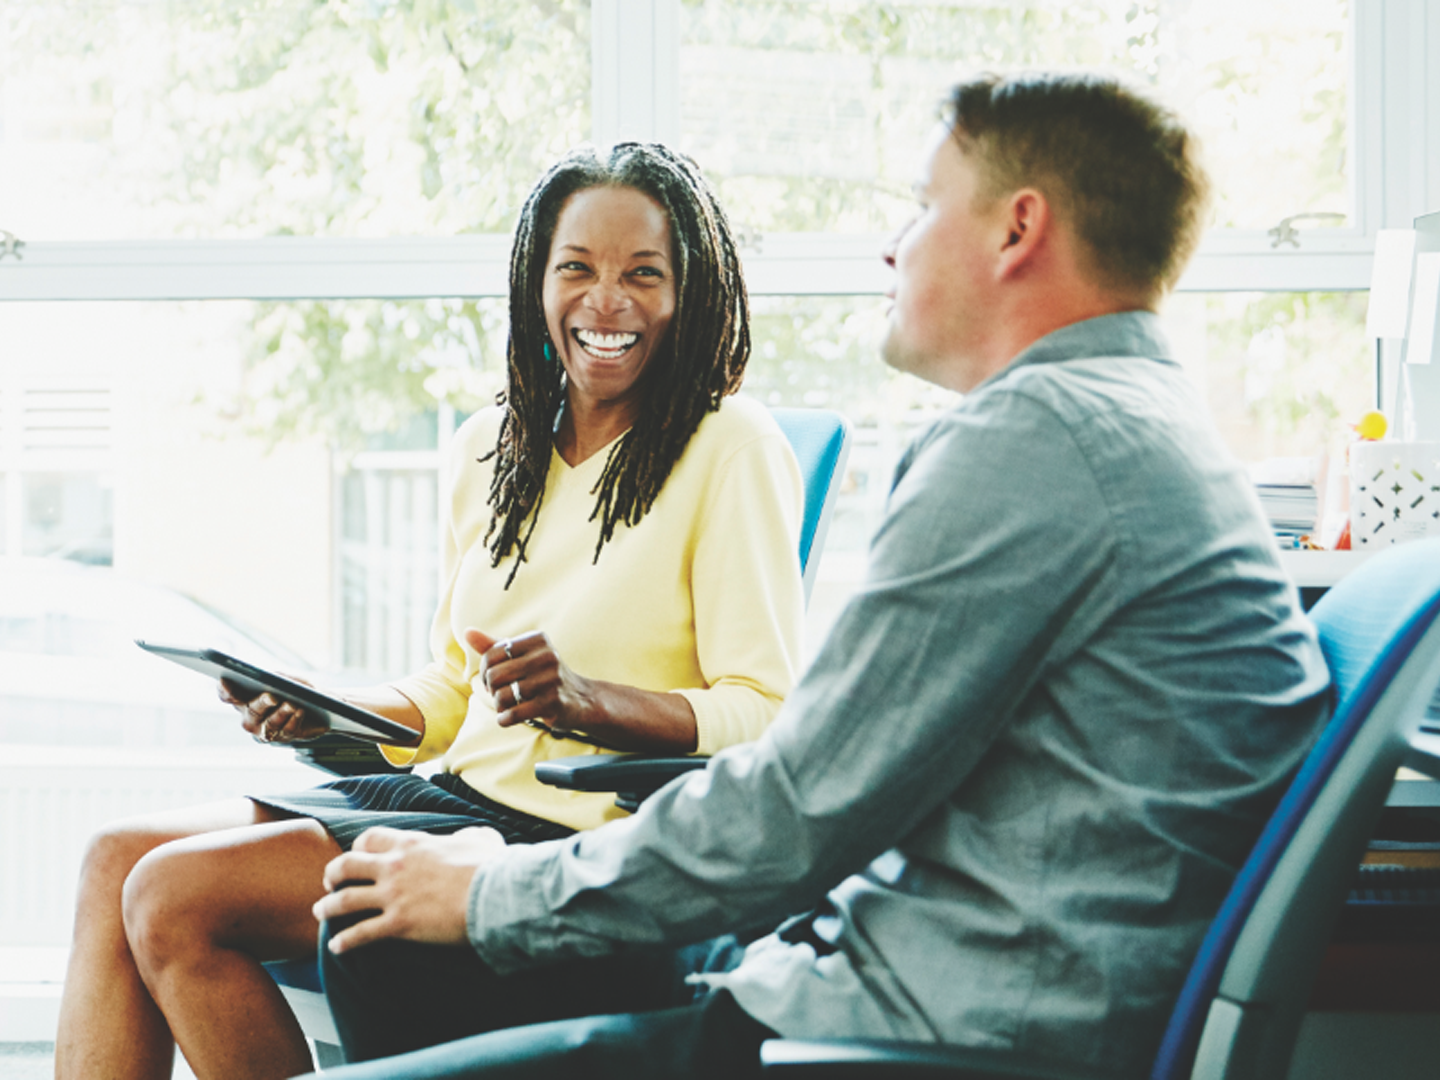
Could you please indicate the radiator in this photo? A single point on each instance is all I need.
(52, 799)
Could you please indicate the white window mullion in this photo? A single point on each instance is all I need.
(291, 268)
(635, 52)
(1215, 269)
(1419, 112)
(634, 70)
(1370, 51)
(10, 450)
(1429, 45)
(278, 268)
(1398, 152)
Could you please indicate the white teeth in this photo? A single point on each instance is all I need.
(610, 343)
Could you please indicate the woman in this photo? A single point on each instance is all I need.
(618, 510)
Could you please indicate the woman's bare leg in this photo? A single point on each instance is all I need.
(201, 914)
(109, 1024)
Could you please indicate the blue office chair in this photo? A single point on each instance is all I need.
(1241, 1006)
(821, 441)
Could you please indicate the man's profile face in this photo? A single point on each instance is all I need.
(944, 271)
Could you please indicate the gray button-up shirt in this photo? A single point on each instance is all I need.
(1025, 766)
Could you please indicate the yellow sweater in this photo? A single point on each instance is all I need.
(703, 597)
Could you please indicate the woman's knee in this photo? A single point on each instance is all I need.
(115, 848)
(249, 890)
(179, 897)
(159, 916)
(110, 856)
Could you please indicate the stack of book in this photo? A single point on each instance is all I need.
(1288, 496)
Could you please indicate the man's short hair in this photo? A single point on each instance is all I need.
(1121, 170)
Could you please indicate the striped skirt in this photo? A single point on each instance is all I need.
(441, 804)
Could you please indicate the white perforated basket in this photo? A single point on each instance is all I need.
(1394, 492)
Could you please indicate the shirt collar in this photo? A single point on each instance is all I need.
(1129, 333)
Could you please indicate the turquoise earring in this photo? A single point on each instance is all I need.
(549, 353)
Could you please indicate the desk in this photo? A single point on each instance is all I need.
(1320, 569)
(1315, 571)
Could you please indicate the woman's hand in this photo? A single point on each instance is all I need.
(268, 718)
(529, 683)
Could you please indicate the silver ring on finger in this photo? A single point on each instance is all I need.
(515, 689)
(506, 646)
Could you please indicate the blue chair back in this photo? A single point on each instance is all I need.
(1247, 987)
(821, 441)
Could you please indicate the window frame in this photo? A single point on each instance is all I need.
(635, 94)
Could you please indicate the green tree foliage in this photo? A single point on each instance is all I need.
(1291, 368)
(415, 117)
(327, 118)
(365, 117)
(351, 370)
(383, 118)
(825, 140)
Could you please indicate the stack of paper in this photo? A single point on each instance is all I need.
(1286, 487)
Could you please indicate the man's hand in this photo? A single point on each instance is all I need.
(416, 885)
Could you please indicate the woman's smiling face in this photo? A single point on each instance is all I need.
(609, 292)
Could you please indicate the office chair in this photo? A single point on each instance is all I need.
(1240, 1009)
(821, 442)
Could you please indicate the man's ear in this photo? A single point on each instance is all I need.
(1027, 222)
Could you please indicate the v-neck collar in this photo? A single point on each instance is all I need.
(601, 454)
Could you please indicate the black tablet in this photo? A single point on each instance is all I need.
(343, 718)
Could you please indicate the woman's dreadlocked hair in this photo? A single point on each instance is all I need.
(701, 359)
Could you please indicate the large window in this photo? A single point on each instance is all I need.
(253, 264)
(257, 211)
(124, 120)
(811, 112)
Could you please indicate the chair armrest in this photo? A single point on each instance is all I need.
(879, 1059)
(342, 755)
(614, 772)
(634, 777)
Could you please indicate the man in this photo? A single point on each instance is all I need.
(1015, 785)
